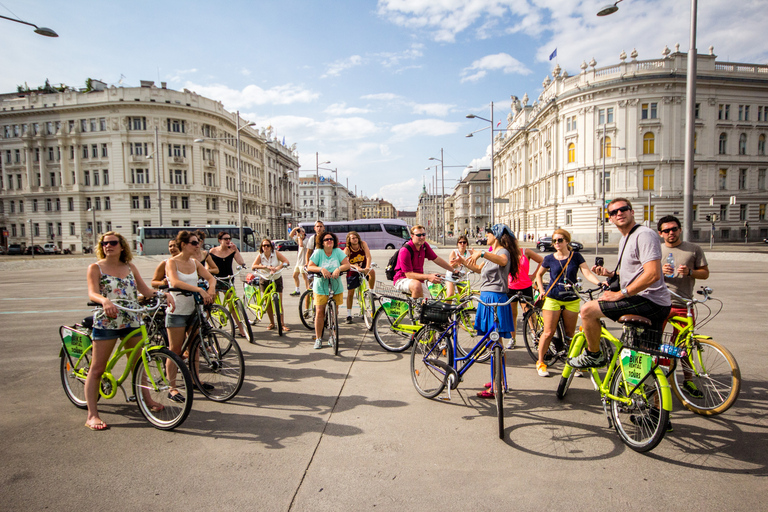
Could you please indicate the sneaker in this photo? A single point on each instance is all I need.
(348, 320)
(542, 369)
(295, 293)
(690, 388)
(584, 360)
(511, 344)
(330, 343)
(318, 343)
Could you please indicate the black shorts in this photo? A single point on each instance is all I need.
(263, 283)
(528, 292)
(636, 305)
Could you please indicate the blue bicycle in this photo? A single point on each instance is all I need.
(434, 364)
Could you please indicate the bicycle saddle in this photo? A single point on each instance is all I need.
(634, 319)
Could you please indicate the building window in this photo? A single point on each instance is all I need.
(107, 203)
(34, 205)
(48, 204)
(104, 152)
(139, 175)
(174, 202)
(147, 203)
(761, 212)
(606, 143)
(723, 145)
(761, 145)
(743, 112)
(72, 229)
(649, 144)
(137, 123)
(36, 228)
(568, 217)
(95, 178)
(723, 212)
(135, 227)
(695, 212)
(695, 178)
(649, 111)
(88, 203)
(742, 212)
(94, 151)
(742, 179)
(103, 124)
(571, 153)
(648, 175)
(97, 203)
(570, 186)
(743, 144)
(58, 204)
(761, 179)
(177, 150)
(105, 175)
(645, 213)
(175, 125)
(723, 181)
(135, 202)
(570, 123)
(71, 204)
(185, 202)
(179, 177)
(724, 112)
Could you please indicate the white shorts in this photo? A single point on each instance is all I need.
(404, 285)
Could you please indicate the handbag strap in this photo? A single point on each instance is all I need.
(618, 264)
(562, 271)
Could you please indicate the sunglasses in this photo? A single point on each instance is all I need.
(670, 230)
(420, 235)
(558, 240)
(266, 245)
(226, 239)
(113, 243)
(195, 242)
(463, 243)
(611, 213)
(327, 239)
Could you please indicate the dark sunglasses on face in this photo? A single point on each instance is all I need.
(558, 240)
(195, 242)
(670, 230)
(113, 243)
(463, 243)
(327, 239)
(611, 213)
(419, 234)
(226, 239)
(266, 245)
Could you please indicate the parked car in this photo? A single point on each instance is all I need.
(481, 241)
(38, 249)
(15, 249)
(50, 248)
(286, 245)
(545, 244)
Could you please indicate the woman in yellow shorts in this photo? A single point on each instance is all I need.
(562, 265)
(330, 261)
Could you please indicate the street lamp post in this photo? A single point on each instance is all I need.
(318, 163)
(239, 172)
(473, 116)
(43, 31)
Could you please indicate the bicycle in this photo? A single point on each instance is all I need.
(434, 364)
(365, 297)
(258, 303)
(707, 380)
(234, 304)
(214, 357)
(149, 364)
(634, 388)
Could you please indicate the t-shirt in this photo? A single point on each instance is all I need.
(493, 277)
(301, 256)
(690, 255)
(330, 263)
(407, 263)
(642, 247)
(555, 266)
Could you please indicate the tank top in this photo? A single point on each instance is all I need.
(272, 261)
(122, 289)
(185, 304)
(523, 278)
(357, 257)
(224, 264)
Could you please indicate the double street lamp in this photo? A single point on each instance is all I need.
(442, 180)
(239, 171)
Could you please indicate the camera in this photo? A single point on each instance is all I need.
(599, 261)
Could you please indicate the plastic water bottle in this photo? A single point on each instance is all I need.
(672, 350)
(670, 261)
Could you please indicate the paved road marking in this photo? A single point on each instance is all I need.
(43, 311)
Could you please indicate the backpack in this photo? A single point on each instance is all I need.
(392, 263)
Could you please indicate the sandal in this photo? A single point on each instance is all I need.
(271, 327)
(156, 408)
(486, 394)
(98, 427)
(286, 329)
(488, 386)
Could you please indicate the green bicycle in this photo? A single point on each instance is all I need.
(364, 298)
(231, 303)
(634, 391)
(151, 366)
(258, 303)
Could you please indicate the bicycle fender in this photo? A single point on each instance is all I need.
(666, 389)
(449, 370)
(701, 337)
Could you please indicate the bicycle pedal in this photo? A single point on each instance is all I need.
(131, 398)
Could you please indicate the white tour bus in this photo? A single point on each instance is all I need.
(151, 240)
(377, 233)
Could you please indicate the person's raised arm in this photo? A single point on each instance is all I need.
(592, 278)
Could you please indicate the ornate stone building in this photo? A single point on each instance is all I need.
(471, 203)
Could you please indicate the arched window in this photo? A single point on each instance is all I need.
(571, 153)
(649, 144)
(723, 144)
(607, 145)
(743, 144)
(761, 145)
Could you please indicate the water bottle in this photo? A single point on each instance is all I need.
(671, 261)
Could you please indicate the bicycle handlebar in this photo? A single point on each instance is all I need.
(706, 291)
(143, 309)
(497, 304)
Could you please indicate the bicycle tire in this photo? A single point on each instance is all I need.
(428, 379)
(240, 310)
(640, 425)
(173, 413)
(220, 318)
(277, 310)
(74, 386)
(565, 382)
(367, 307)
(332, 322)
(466, 335)
(714, 372)
(307, 310)
(224, 370)
(533, 326)
(389, 339)
(498, 373)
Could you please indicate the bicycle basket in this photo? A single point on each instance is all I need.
(434, 312)
(650, 341)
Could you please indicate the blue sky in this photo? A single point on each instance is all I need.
(377, 88)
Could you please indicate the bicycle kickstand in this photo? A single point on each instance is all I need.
(605, 410)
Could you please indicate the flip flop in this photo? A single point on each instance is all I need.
(485, 394)
(156, 408)
(271, 327)
(488, 386)
(286, 329)
(98, 427)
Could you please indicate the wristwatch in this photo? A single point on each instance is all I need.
(482, 254)
(624, 292)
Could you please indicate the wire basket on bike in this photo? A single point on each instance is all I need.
(650, 341)
(436, 313)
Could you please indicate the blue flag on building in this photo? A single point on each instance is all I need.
(553, 54)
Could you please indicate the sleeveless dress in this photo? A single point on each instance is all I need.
(122, 290)
(225, 269)
(185, 304)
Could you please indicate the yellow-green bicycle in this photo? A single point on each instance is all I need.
(233, 310)
(258, 303)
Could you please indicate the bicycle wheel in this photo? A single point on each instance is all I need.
(430, 378)
(533, 326)
(73, 377)
(366, 306)
(466, 335)
(708, 381)
(307, 309)
(220, 318)
(389, 336)
(243, 317)
(152, 388)
(277, 308)
(217, 374)
(332, 323)
(642, 423)
(498, 387)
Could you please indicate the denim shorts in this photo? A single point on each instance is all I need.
(172, 320)
(111, 334)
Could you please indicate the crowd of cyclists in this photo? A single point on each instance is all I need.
(638, 285)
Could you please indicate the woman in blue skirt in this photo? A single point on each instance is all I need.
(494, 267)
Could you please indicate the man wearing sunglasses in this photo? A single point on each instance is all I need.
(409, 272)
(690, 263)
(643, 291)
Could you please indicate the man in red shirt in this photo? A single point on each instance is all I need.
(409, 272)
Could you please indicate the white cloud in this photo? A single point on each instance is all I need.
(341, 109)
(245, 72)
(401, 194)
(384, 96)
(336, 68)
(253, 95)
(499, 62)
(179, 74)
(303, 128)
(433, 109)
(392, 59)
(429, 127)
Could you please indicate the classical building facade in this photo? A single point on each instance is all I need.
(629, 119)
(471, 203)
(130, 157)
(429, 212)
(377, 209)
(325, 199)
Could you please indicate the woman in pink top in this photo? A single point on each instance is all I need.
(522, 283)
